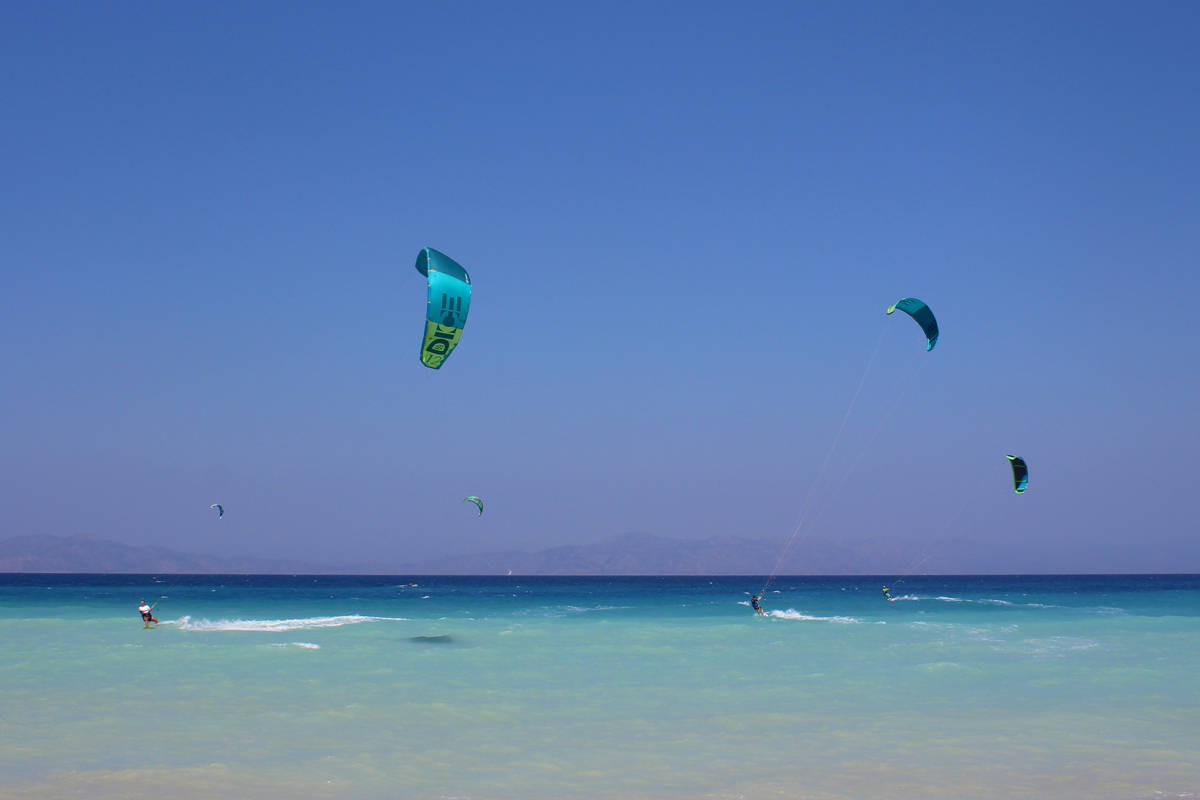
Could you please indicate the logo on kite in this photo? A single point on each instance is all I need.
(1020, 473)
(220, 509)
(446, 305)
(921, 315)
(477, 502)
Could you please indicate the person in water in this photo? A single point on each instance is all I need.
(888, 593)
(147, 613)
(754, 602)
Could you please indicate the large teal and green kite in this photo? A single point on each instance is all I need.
(447, 304)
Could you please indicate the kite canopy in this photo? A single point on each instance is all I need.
(476, 501)
(1020, 473)
(448, 301)
(220, 509)
(922, 315)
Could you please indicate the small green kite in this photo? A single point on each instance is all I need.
(1020, 473)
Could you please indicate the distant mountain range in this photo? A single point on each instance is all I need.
(88, 554)
(645, 554)
(628, 554)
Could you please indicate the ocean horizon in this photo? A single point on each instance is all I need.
(538, 687)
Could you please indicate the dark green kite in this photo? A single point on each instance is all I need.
(1020, 473)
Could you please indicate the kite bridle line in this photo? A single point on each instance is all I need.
(916, 565)
(806, 507)
(164, 588)
(865, 447)
(930, 550)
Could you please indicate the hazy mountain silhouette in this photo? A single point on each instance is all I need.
(89, 554)
(628, 554)
(645, 554)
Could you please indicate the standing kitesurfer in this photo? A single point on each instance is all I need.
(754, 602)
(888, 593)
(147, 613)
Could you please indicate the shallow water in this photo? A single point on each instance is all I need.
(538, 688)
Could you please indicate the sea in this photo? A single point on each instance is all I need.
(544, 688)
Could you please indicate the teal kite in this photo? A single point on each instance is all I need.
(1020, 473)
(923, 317)
(447, 304)
(220, 509)
(476, 501)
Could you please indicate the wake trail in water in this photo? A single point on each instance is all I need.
(273, 625)
(792, 614)
(982, 601)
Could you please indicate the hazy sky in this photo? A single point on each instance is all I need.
(683, 224)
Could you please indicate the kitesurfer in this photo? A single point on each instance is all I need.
(754, 603)
(147, 613)
(888, 593)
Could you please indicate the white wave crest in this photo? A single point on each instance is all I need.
(305, 645)
(1015, 605)
(1053, 646)
(986, 601)
(943, 598)
(273, 625)
(791, 613)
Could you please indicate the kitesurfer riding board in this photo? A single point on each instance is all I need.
(754, 603)
(147, 613)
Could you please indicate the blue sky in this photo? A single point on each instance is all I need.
(683, 225)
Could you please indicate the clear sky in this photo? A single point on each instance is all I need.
(683, 223)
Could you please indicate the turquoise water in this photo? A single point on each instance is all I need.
(539, 688)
